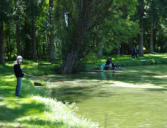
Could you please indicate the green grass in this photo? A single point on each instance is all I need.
(126, 60)
(36, 108)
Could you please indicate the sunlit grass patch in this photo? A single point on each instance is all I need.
(61, 112)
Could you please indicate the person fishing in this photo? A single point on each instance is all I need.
(19, 74)
(109, 65)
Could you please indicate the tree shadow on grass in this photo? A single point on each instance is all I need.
(6, 92)
(6, 88)
(5, 70)
(10, 114)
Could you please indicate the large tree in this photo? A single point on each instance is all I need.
(152, 21)
(2, 59)
(18, 16)
(89, 13)
(84, 17)
(51, 32)
(141, 23)
(33, 11)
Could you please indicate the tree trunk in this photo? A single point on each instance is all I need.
(152, 39)
(34, 40)
(69, 63)
(76, 48)
(119, 51)
(17, 27)
(10, 49)
(51, 36)
(141, 14)
(27, 50)
(100, 50)
(76, 44)
(2, 59)
(77, 41)
(141, 53)
(18, 39)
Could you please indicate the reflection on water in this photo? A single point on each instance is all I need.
(88, 85)
(129, 108)
(106, 76)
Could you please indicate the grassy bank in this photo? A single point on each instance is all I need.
(127, 60)
(36, 108)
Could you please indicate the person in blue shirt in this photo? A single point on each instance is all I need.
(109, 65)
(134, 52)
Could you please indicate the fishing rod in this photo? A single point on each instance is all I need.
(44, 79)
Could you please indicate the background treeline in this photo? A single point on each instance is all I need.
(36, 29)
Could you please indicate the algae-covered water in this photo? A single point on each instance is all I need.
(135, 97)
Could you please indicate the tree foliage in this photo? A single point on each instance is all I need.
(37, 29)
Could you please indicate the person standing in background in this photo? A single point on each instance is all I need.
(134, 52)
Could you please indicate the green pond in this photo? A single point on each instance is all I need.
(135, 97)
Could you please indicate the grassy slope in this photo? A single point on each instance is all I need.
(35, 109)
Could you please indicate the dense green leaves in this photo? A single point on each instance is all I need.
(97, 27)
(5, 9)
